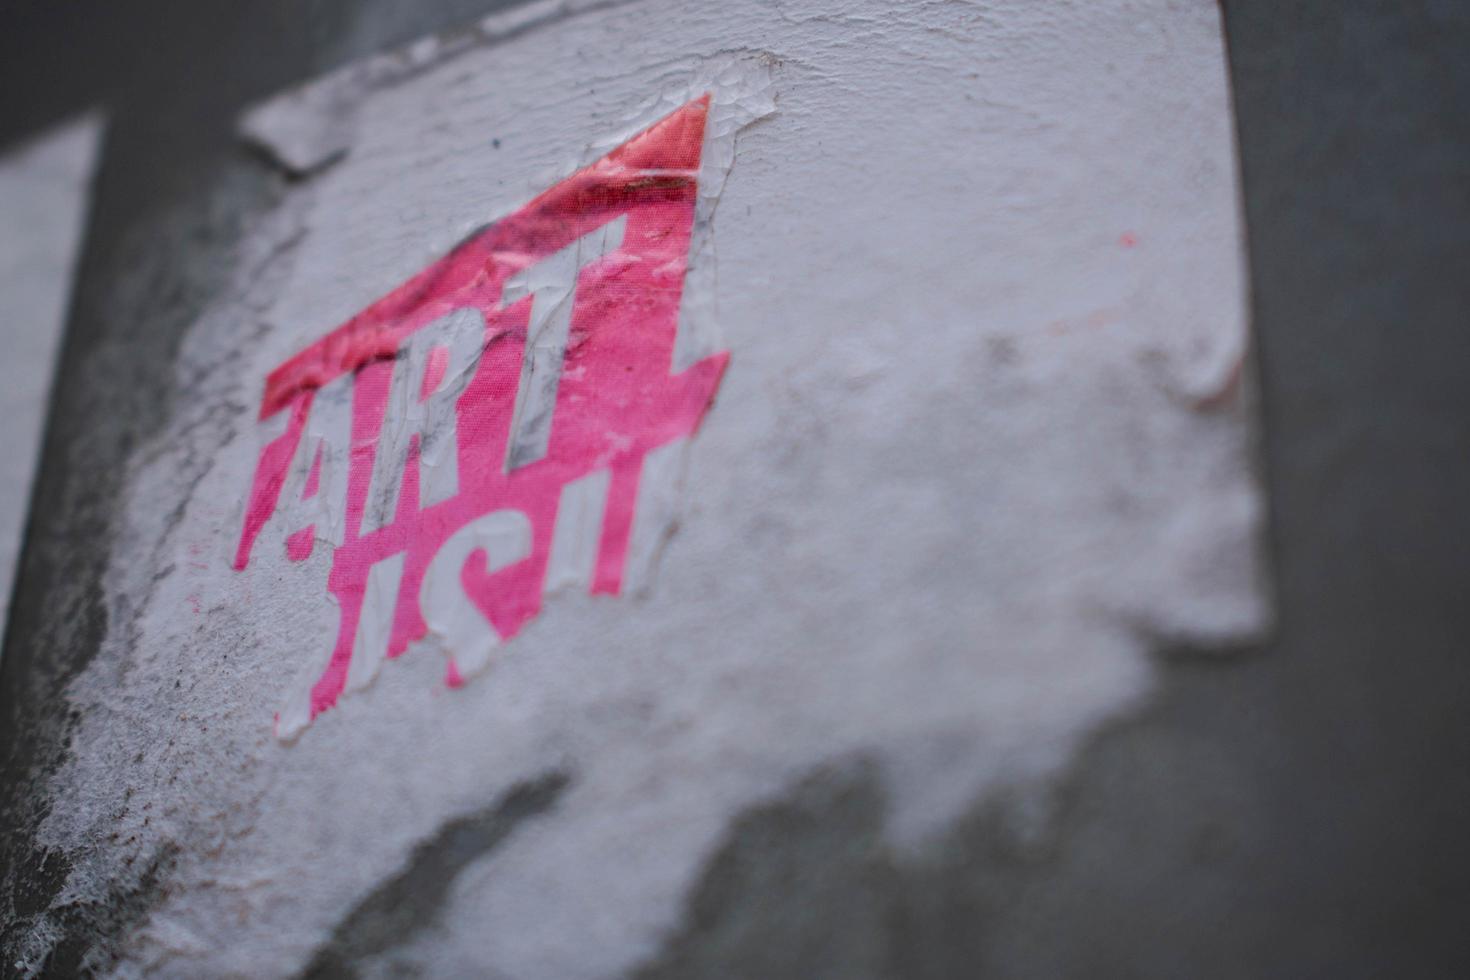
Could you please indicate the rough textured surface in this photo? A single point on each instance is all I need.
(407, 904)
(170, 199)
(982, 446)
(1296, 813)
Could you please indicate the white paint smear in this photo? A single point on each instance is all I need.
(44, 187)
(552, 286)
(980, 449)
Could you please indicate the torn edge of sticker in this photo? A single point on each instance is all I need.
(313, 125)
(736, 90)
(740, 91)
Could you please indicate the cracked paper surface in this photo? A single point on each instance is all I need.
(980, 449)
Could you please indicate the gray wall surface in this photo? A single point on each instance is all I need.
(1295, 811)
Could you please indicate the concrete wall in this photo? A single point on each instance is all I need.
(867, 762)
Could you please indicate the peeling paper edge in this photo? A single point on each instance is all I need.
(313, 125)
(1228, 382)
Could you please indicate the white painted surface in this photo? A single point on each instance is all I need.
(43, 202)
(976, 455)
(428, 422)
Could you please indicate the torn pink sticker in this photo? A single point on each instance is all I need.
(479, 434)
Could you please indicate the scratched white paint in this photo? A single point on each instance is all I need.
(43, 201)
(980, 450)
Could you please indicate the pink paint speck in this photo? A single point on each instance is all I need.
(298, 545)
(434, 371)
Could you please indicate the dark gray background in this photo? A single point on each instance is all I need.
(1300, 810)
